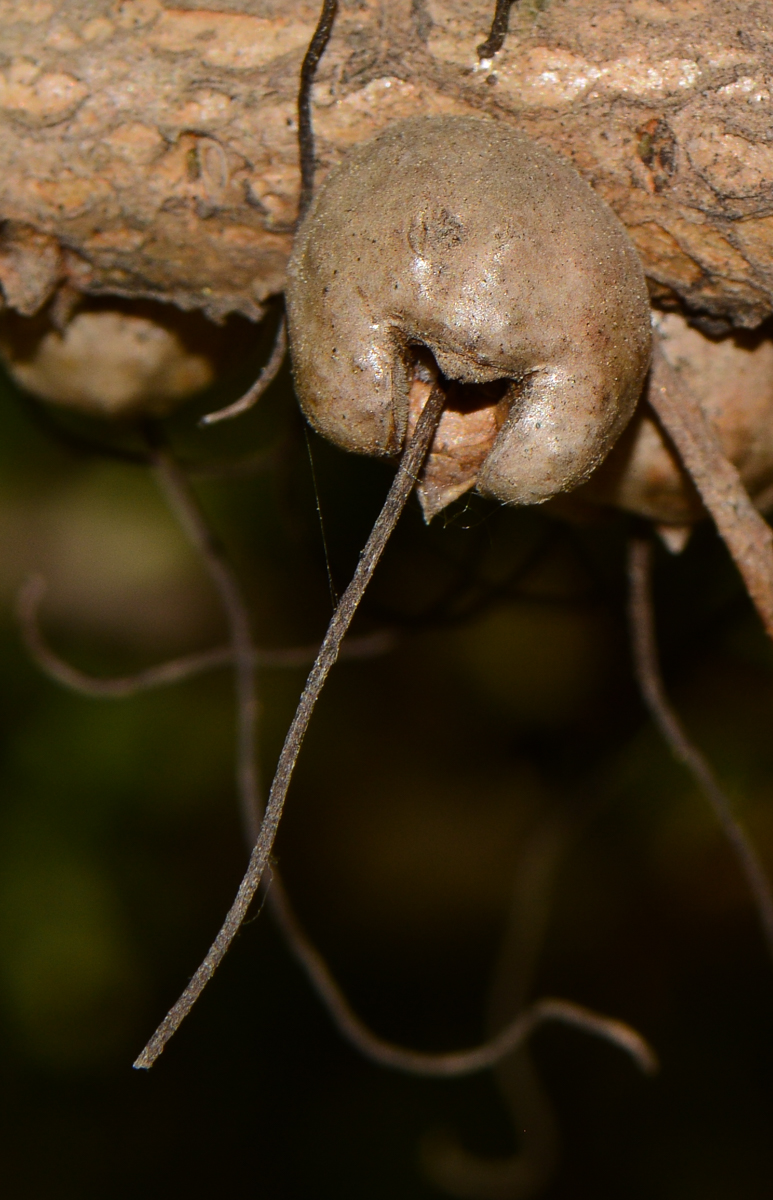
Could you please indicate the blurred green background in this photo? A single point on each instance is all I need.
(506, 704)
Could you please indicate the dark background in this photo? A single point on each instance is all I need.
(506, 703)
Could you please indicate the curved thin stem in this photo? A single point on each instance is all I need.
(183, 503)
(187, 666)
(305, 128)
(51, 664)
(498, 32)
(402, 486)
(457, 1062)
(261, 384)
(647, 668)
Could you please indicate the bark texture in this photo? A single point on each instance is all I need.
(149, 150)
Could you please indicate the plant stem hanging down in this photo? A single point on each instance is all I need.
(402, 486)
(305, 128)
(183, 503)
(498, 32)
(748, 537)
(645, 653)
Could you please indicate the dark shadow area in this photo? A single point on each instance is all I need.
(507, 699)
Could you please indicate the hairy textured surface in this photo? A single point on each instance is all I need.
(460, 236)
(733, 380)
(149, 149)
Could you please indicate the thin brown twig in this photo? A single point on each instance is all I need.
(175, 670)
(248, 783)
(261, 384)
(305, 127)
(498, 32)
(647, 668)
(401, 488)
(51, 664)
(241, 652)
(748, 537)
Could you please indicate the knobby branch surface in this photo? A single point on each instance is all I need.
(149, 149)
(401, 488)
(647, 668)
(308, 165)
(746, 534)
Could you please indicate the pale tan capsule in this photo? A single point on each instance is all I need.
(732, 378)
(459, 237)
(109, 364)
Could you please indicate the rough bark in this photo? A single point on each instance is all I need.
(150, 150)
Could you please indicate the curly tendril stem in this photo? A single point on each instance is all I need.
(455, 1063)
(183, 503)
(261, 384)
(175, 670)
